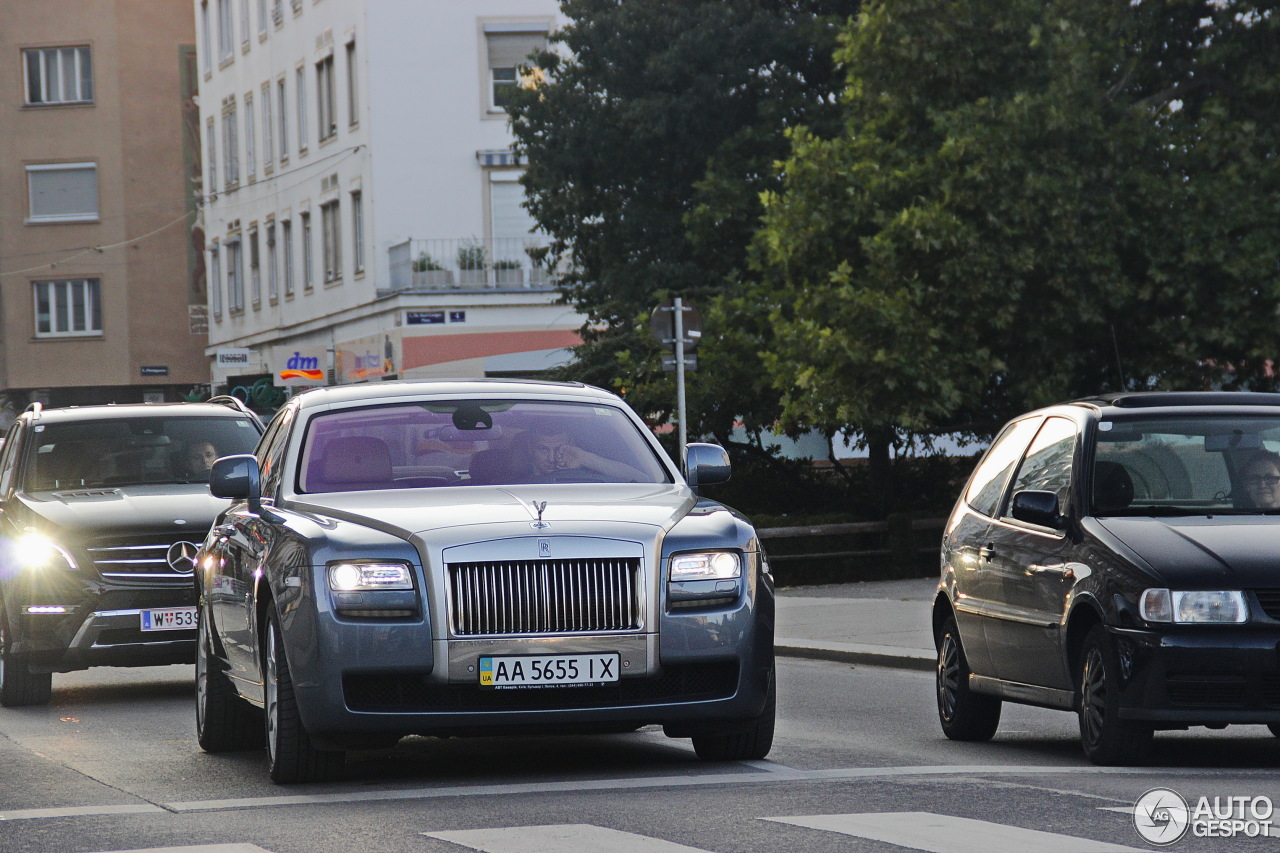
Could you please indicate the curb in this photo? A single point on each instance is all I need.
(910, 659)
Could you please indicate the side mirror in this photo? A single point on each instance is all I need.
(1037, 507)
(238, 478)
(705, 464)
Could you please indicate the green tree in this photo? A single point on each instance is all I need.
(648, 143)
(1029, 201)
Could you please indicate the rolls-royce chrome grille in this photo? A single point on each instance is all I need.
(544, 596)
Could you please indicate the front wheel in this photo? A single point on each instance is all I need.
(964, 715)
(225, 722)
(18, 684)
(752, 744)
(1106, 738)
(290, 755)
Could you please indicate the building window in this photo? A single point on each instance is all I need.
(308, 268)
(331, 236)
(206, 39)
(215, 280)
(262, 17)
(230, 145)
(328, 124)
(213, 156)
(284, 121)
(250, 147)
(507, 51)
(286, 250)
(268, 144)
(235, 276)
(353, 102)
(226, 35)
(244, 24)
(63, 192)
(277, 12)
(59, 75)
(273, 279)
(300, 82)
(357, 232)
(255, 268)
(510, 225)
(68, 308)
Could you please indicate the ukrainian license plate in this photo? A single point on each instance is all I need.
(521, 671)
(169, 619)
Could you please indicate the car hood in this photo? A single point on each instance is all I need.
(110, 511)
(407, 512)
(1238, 552)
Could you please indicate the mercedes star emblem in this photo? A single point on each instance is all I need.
(182, 557)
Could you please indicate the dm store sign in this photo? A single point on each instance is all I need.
(301, 369)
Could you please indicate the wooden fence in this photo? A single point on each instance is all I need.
(900, 547)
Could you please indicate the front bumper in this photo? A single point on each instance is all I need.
(1210, 675)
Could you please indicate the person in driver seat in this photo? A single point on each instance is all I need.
(546, 452)
(1260, 477)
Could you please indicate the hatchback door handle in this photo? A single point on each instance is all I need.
(988, 552)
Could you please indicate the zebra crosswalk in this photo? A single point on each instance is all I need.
(923, 831)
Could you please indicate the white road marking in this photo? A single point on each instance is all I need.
(201, 848)
(562, 838)
(78, 811)
(946, 834)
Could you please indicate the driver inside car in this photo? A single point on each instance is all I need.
(548, 452)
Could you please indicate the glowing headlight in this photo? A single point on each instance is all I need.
(711, 566)
(353, 577)
(34, 551)
(1193, 606)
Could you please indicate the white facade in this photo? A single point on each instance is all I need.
(354, 149)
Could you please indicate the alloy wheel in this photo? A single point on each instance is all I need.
(1093, 695)
(948, 676)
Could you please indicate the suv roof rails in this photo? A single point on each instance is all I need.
(1156, 399)
(233, 402)
(35, 408)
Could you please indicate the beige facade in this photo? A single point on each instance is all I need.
(100, 259)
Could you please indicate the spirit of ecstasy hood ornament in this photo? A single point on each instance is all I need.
(540, 506)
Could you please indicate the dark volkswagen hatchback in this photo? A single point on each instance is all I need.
(1117, 557)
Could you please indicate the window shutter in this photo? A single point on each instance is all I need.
(507, 50)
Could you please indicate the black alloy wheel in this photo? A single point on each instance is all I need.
(18, 684)
(1107, 739)
(225, 722)
(290, 754)
(964, 715)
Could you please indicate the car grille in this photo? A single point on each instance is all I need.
(1270, 601)
(141, 557)
(544, 596)
(1225, 692)
(682, 683)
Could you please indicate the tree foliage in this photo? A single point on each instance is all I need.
(649, 143)
(1028, 201)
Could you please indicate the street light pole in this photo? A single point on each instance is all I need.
(679, 330)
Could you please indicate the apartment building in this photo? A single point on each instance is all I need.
(362, 216)
(101, 298)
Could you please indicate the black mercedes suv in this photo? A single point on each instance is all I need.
(102, 509)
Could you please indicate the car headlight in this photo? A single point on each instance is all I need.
(1193, 606)
(361, 577)
(709, 566)
(35, 551)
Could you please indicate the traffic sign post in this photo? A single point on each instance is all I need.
(679, 326)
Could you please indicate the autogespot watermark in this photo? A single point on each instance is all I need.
(1163, 816)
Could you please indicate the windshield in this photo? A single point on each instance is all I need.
(474, 442)
(133, 451)
(1187, 465)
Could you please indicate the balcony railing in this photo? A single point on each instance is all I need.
(468, 264)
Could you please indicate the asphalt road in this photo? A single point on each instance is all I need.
(858, 765)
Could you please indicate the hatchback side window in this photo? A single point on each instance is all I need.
(9, 462)
(271, 450)
(986, 486)
(1047, 466)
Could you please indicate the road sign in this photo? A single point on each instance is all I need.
(662, 324)
(669, 362)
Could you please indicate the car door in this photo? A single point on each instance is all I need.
(965, 544)
(1033, 565)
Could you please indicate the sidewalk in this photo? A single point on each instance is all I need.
(881, 623)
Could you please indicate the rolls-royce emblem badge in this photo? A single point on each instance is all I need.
(544, 547)
(539, 524)
(182, 557)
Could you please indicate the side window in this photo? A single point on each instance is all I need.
(1047, 466)
(986, 486)
(271, 450)
(9, 461)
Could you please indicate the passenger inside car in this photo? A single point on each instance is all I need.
(198, 458)
(1260, 478)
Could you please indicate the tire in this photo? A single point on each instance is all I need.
(18, 684)
(1107, 739)
(290, 756)
(225, 722)
(750, 745)
(963, 714)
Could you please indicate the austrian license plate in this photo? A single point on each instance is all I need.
(169, 619)
(521, 671)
